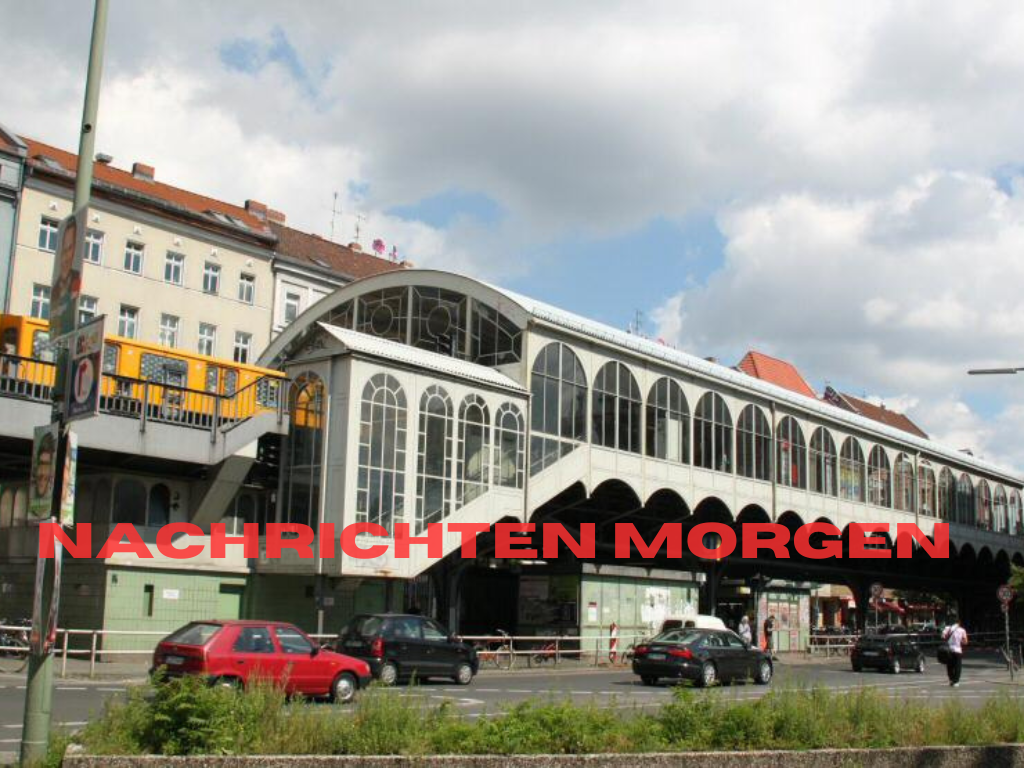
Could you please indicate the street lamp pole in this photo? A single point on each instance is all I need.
(39, 684)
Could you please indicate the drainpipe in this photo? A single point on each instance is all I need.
(771, 460)
(917, 490)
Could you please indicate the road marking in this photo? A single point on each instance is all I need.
(110, 690)
(71, 688)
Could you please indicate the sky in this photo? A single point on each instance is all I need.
(837, 184)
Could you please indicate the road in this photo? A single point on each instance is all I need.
(75, 701)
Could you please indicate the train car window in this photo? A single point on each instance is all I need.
(165, 370)
(10, 341)
(230, 381)
(41, 347)
(111, 354)
(212, 378)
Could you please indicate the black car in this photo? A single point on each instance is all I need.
(705, 656)
(401, 646)
(888, 653)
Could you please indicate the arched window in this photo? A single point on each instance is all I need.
(245, 512)
(616, 409)
(790, 454)
(474, 445)
(851, 471)
(304, 451)
(823, 462)
(101, 504)
(903, 482)
(879, 487)
(926, 500)
(130, 502)
(83, 502)
(380, 493)
(999, 510)
(7, 508)
(668, 422)
(508, 446)
(712, 433)
(558, 410)
(159, 505)
(947, 494)
(20, 514)
(753, 444)
(984, 501)
(964, 513)
(436, 440)
(1016, 524)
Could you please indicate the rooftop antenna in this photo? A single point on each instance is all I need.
(637, 326)
(359, 221)
(335, 210)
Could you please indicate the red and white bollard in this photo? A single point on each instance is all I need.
(613, 645)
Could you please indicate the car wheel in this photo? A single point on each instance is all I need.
(920, 666)
(708, 675)
(463, 674)
(343, 690)
(648, 680)
(388, 674)
(230, 683)
(764, 672)
(895, 668)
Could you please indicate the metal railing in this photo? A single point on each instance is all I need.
(151, 401)
(841, 644)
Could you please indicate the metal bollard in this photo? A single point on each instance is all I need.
(92, 656)
(64, 661)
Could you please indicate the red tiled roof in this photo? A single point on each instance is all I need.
(108, 174)
(775, 371)
(883, 415)
(325, 254)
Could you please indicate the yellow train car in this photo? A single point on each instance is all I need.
(174, 384)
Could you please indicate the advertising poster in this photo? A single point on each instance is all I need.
(67, 496)
(44, 457)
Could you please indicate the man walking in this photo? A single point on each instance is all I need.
(956, 638)
(769, 635)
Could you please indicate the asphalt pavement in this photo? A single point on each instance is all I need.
(76, 701)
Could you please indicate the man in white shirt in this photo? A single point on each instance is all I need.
(956, 638)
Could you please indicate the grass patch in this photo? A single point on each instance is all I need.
(187, 717)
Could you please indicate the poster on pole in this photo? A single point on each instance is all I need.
(44, 459)
(66, 282)
(86, 346)
(67, 496)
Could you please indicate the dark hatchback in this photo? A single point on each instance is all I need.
(401, 646)
(888, 653)
(705, 656)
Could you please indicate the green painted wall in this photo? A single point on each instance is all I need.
(293, 599)
(637, 605)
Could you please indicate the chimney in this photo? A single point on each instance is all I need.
(406, 264)
(104, 159)
(275, 216)
(257, 209)
(143, 171)
(355, 247)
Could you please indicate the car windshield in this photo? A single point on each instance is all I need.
(194, 634)
(680, 636)
(875, 642)
(363, 626)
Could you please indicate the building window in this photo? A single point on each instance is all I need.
(823, 462)
(211, 278)
(243, 347)
(712, 433)
(247, 288)
(616, 409)
(159, 506)
(133, 253)
(903, 484)
(964, 510)
(999, 510)
(433, 489)
(291, 307)
(984, 499)
(169, 325)
(926, 490)
(384, 313)
(947, 495)
(1014, 524)
(559, 408)
(879, 487)
(753, 444)
(790, 454)
(380, 492)
(474, 445)
(851, 471)
(174, 268)
(128, 322)
(207, 339)
(668, 422)
(304, 452)
(48, 229)
(87, 306)
(129, 502)
(40, 301)
(508, 446)
(94, 246)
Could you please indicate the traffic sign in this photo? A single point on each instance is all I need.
(86, 370)
(877, 590)
(1005, 594)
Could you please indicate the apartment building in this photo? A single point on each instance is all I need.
(12, 161)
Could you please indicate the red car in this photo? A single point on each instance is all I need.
(237, 652)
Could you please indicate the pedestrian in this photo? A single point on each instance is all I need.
(956, 638)
(769, 635)
(744, 630)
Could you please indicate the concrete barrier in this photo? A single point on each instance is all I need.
(997, 756)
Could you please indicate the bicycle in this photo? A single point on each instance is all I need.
(499, 653)
(14, 645)
(548, 650)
